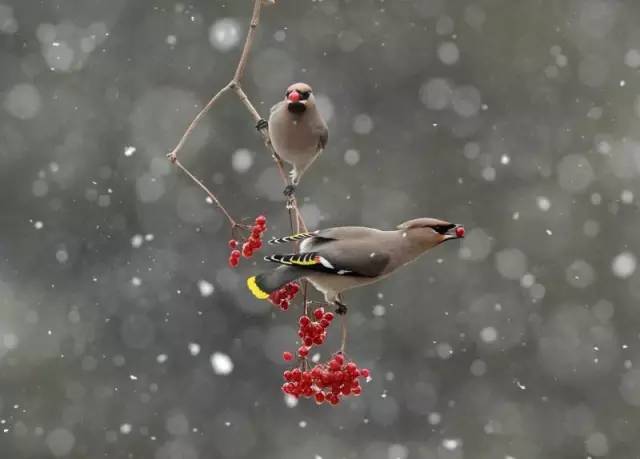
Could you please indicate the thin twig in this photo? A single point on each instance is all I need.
(248, 43)
(173, 156)
(343, 344)
(235, 86)
(211, 195)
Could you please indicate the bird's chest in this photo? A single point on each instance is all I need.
(294, 134)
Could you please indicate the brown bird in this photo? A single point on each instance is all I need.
(298, 132)
(337, 259)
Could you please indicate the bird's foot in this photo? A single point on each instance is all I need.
(262, 124)
(341, 309)
(289, 191)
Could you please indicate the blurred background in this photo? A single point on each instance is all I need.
(124, 334)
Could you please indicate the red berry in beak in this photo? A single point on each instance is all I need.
(460, 231)
(294, 96)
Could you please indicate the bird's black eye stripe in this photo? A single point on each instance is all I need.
(304, 95)
(442, 229)
(288, 92)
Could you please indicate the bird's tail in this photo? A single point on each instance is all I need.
(263, 284)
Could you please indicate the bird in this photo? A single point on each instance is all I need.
(337, 259)
(297, 130)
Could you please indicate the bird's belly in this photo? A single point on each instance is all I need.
(331, 283)
(298, 143)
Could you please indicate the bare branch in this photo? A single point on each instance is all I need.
(248, 43)
(173, 156)
(211, 195)
(343, 343)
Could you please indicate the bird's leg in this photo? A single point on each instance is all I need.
(262, 124)
(290, 189)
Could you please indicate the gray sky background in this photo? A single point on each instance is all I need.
(123, 333)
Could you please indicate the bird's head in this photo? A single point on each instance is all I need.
(430, 232)
(299, 97)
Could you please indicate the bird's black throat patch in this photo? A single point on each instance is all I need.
(296, 107)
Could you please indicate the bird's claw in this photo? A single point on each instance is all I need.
(289, 190)
(262, 124)
(341, 309)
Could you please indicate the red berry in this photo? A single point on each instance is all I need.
(460, 231)
(319, 397)
(304, 321)
(233, 262)
(294, 96)
(284, 305)
(364, 373)
(261, 220)
(235, 254)
(339, 358)
(356, 390)
(247, 251)
(318, 313)
(256, 232)
(328, 316)
(287, 356)
(303, 351)
(233, 244)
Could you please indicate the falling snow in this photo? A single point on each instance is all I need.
(221, 363)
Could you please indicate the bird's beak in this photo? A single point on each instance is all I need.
(457, 232)
(295, 104)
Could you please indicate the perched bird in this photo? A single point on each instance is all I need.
(298, 132)
(341, 258)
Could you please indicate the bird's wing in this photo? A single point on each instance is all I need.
(277, 106)
(291, 238)
(352, 258)
(328, 234)
(323, 136)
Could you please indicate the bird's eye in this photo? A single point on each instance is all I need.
(442, 229)
(304, 95)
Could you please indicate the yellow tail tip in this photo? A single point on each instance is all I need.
(257, 291)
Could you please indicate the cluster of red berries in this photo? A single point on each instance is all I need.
(326, 382)
(252, 243)
(313, 332)
(283, 296)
